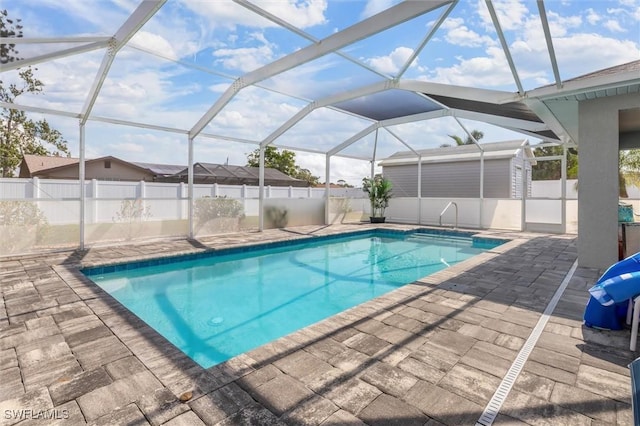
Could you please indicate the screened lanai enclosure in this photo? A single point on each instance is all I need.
(344, 85)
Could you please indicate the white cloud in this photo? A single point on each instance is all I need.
(614, 26)
(583, 53)
(593, 17)
(103, 17)
(155, 43)
(460, 35)
(484, 71)
(244, 59)
(511, 13)
(302, 14)
(376, 6)
(127, 147)
(560, 25)
(391, 63)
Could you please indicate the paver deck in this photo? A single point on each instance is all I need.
(432, 352)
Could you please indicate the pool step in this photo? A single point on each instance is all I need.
(427, 237)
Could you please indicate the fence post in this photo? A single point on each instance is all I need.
(94, 205)
(268, 195)
(183, 192)
(309, 192)
(35, 192)
(143, 195)
(215, 190)
(35, 184)
(290, 191)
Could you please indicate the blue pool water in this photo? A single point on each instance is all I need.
(219, 305)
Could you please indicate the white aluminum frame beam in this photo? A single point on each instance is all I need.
(46, 40)
(392, 133)
(132, 25)
(426, 39)
(281, 22)
(391, 17)
(361, 134)
(54, 55)
(41, 110)
(549, 40)
(419, 189)
(505, 46)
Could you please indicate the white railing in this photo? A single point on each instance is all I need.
(454, 204)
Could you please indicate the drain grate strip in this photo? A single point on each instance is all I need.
(493, 407)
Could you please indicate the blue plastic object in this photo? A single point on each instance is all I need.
(610, 317)
(608, 304)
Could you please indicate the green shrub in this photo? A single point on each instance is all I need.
(15, 216)
(132, 213)
(207, 208)
(279, 217)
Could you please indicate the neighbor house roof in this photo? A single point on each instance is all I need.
(32, 164)
(236, 175)
(160, 169)
(495, 150)
(71, 162)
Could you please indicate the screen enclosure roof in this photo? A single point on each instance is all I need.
(255, 72)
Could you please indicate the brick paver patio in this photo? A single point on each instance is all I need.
(432, 352)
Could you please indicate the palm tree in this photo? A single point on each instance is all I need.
(477, 135)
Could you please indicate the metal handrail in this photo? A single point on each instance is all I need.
(447, 208)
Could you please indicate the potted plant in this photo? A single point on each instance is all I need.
(379, 191)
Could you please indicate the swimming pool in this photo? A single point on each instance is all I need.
(216, 305)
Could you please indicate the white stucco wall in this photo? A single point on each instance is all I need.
(598, 136)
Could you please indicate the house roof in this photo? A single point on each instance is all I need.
(222, 173)
(493, 151)
(74, 161)
(37, 163)
(160, 169)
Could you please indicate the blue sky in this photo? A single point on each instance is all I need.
(225, 41)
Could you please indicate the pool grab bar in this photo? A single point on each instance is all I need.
(447, 208)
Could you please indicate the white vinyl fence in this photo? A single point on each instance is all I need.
(46, 213)
(164, 201)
